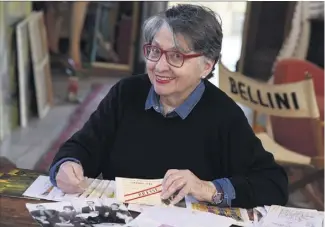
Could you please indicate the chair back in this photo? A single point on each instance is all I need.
(295, 100)
(293, 70)
(286, 100)
(299, 134)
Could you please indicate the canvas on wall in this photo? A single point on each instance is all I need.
(10, 14)
(4, 76)
(40, 60)
(24, 63)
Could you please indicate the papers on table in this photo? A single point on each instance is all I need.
(237, 214)
(157, 216)
(143, 196)
(80, 212)
(142, 192)
(292, 217)
(138, 207)
(42, 188)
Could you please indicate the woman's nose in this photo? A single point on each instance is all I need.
(162, 64)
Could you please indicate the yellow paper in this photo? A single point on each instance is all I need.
(138, 191)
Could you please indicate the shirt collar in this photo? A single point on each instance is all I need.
(184, 109)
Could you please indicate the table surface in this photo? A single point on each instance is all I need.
(13, 211)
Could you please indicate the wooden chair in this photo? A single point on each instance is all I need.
(291, 100)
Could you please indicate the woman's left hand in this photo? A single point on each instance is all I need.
(186, 183)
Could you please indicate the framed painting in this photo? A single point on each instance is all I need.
(114, 35)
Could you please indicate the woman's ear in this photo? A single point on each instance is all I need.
(208, 66)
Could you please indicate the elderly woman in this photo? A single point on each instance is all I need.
(172, 123)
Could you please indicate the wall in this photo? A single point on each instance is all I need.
(148, 9)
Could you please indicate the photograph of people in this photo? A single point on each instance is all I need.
(112, 214)
(68, 214)
(90, 207)
(54, 214)
(46, 217)
(100, 211)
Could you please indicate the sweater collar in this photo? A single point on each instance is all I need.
(183, 110)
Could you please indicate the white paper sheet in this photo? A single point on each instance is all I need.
(291, 217)
(189, 200)
(137, 207)
(179, 217)
(42, 188)
(145, 222)
(267, 208)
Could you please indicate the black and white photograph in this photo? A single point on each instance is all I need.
(106, 212)
(116, 212)
(88, 209)
(59, 214)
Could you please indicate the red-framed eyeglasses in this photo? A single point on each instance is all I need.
(174, 58)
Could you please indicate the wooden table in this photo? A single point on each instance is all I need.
(13, 211)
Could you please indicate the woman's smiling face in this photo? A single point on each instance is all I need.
(169, 80)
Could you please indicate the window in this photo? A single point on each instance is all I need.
(237, 23)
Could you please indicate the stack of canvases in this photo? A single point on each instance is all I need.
(32, 44)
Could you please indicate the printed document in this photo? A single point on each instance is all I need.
(139, 191)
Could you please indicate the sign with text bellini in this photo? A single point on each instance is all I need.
(285, 100)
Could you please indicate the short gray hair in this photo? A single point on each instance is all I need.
(200, 26)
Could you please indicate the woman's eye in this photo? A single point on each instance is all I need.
(176, 55)
(155, 51)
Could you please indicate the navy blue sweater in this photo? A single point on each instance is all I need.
(214, 141)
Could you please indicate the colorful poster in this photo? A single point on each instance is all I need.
(234, 213)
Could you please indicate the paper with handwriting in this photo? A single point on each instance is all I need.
(292, 217)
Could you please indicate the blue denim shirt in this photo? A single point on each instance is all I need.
(182, 111)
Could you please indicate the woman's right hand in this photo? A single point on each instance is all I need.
(70, 178)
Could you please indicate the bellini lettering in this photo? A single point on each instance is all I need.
(266, 99)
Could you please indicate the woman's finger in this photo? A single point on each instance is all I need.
(181, 195)
(175, 186)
